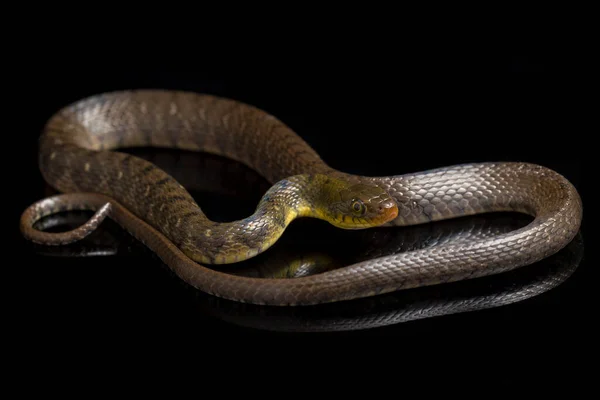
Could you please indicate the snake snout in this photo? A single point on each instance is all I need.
(389, 209)
(387, 204)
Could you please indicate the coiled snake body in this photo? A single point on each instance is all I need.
(77, 156)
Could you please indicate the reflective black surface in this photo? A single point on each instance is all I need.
(388, 120)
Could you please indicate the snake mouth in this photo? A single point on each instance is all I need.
(392, 213)
(389, 212)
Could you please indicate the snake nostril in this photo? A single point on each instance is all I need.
(386, 205)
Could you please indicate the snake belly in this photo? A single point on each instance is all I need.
(78, 156)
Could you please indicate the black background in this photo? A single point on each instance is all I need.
(364, 113)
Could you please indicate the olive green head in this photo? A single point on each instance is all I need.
(351, 205)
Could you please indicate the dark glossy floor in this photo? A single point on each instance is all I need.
(376, 123)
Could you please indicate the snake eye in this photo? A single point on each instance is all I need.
(358, 207)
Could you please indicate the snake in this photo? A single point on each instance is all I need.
(79, 157)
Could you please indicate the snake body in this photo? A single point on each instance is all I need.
(78, 156)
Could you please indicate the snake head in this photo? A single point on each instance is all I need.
(360, 206)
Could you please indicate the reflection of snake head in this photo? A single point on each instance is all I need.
(355, 206)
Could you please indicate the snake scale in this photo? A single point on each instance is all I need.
(78, 156)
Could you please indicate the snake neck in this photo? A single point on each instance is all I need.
(230, 242)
